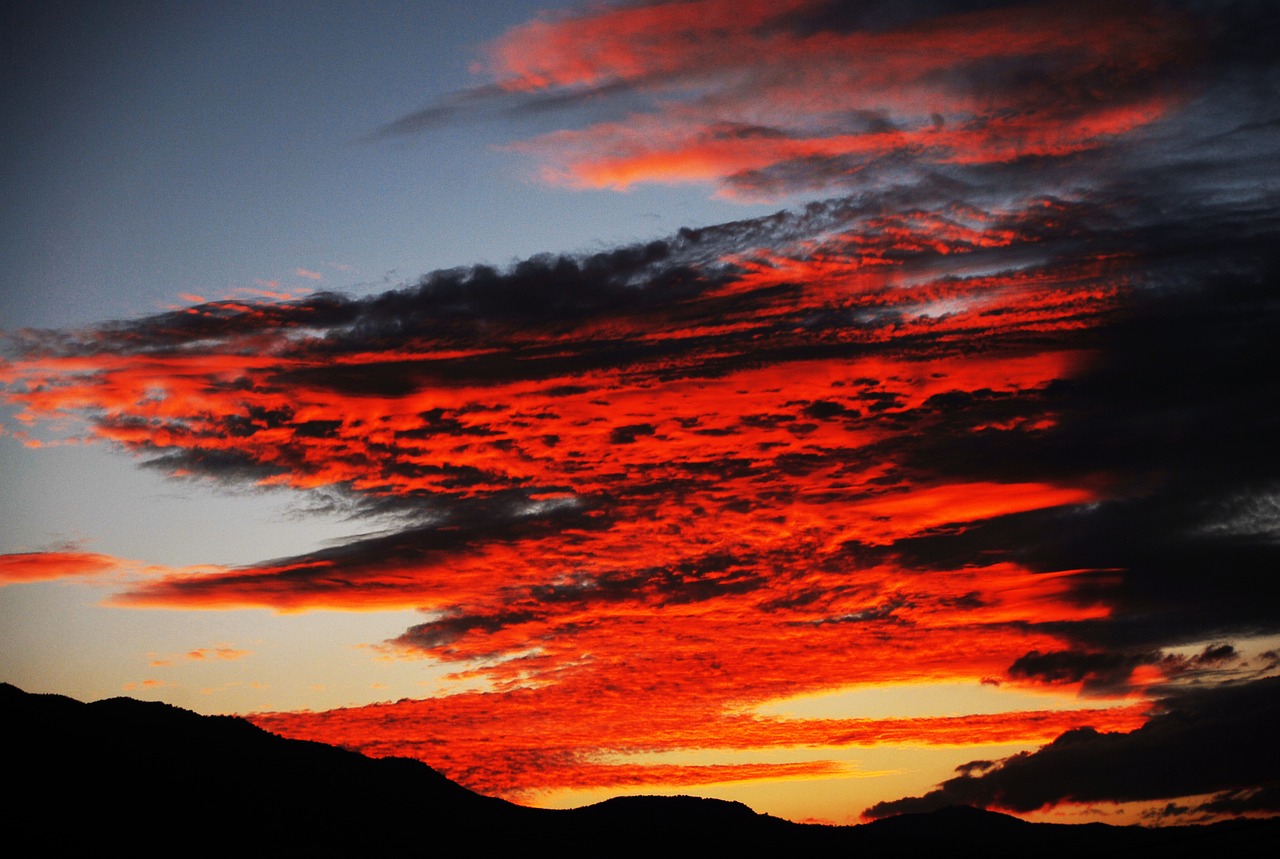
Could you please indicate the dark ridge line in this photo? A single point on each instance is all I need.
(153, 778)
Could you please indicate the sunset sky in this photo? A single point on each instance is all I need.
(847, 408)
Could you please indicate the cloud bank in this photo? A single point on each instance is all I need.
(1000, 406)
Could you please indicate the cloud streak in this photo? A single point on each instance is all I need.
(23, 567)
(768, 98)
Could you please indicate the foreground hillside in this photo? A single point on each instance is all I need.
(153, 778)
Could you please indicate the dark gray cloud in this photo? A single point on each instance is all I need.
(1244, 801)
(468, 104)
(879, 15)
(1110, 671)
(492, 103)
(1178, 411)
(1204, 741)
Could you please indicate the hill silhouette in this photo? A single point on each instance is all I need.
(155, 778)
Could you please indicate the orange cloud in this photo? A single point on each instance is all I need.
(549, 743)
(23, 567)
(224, 653)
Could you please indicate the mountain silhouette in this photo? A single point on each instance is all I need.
(150, 778)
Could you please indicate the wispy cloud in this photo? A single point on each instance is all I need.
(222, 652)
(21, 567)
(772, 98)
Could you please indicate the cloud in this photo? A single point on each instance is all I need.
(764, 99)
(1109, 671)
(1240, 802)
(736, 450)
(1175, 412)
(1205, 741)
(24, 567)
(602, 740)
(1001, 409)
(223, 652)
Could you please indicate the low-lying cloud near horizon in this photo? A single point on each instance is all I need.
(1001, 405)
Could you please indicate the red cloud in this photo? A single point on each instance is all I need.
(24, 567)
(658, 516)
(581, 737)
(741, 88)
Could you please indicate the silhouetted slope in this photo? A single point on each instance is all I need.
(155, 778)
(126, 769)
(680, 824)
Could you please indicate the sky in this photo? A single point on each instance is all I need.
(847, 408)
